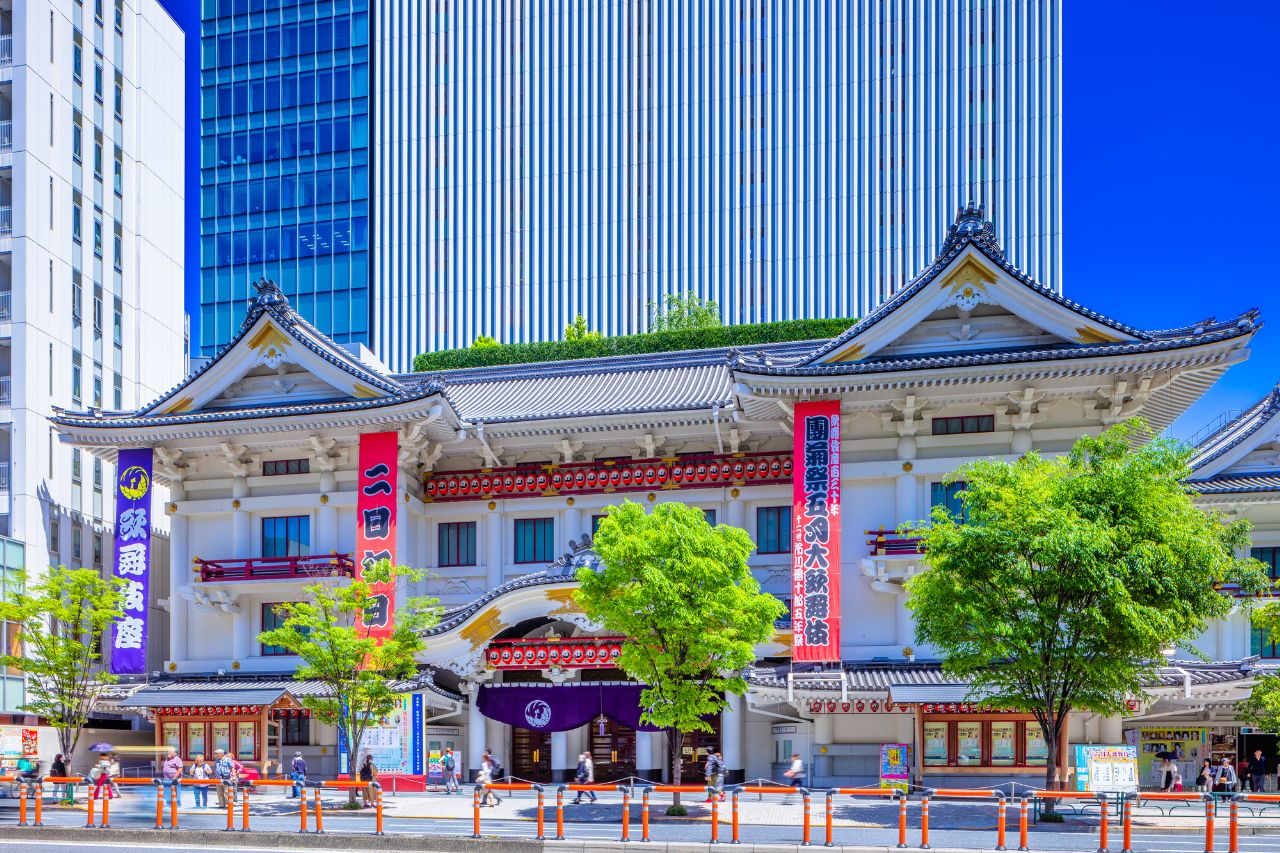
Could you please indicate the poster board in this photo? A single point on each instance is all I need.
(1188, 744)
(1110, 769)
(895, 766)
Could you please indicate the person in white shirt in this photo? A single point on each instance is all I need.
(795, 772)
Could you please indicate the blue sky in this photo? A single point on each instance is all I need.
(1171, 171)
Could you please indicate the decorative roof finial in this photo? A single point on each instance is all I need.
(971, 227)
(269, 293)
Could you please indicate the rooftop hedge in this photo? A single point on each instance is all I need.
(711, 338)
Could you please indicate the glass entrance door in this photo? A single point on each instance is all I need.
(530, 755)
(613, 751)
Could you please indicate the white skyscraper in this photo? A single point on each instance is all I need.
(91, 252)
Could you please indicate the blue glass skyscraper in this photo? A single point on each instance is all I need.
(284, 161)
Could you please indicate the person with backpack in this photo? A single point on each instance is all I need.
(369, 778)
(224, 770)
(714, 773)
(449, 767)
(487, 774)
(298, 773)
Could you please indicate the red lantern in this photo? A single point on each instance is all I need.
(928, 707)
(875, 705)
(859, 705)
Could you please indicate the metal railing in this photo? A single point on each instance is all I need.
(4, 476)
(6, 304)
(6, 220)
(6, 134)
(276, 568)
(6, 390)
(6, 48)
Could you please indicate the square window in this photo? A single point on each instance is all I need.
(773, 529)
(535, 540)
(286, 536)
(458, 544)
(270, 621)
(949, 495)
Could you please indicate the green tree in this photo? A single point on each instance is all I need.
(484, 342)
(683, 312)
(62, 618)
(1262, 708)
(681, 592)
(1068, 577)
(358, 673)
(579, 331)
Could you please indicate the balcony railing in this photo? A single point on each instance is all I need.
(6, 134)
(6, 390)
(889, 543)
(276, 568)
(6, 304)
(4, 476)
(6, 221)
(6, 48)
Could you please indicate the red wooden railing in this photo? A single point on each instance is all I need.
(277, 568)
(887, 543)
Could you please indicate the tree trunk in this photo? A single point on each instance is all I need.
(674, 745)
(1052, 736)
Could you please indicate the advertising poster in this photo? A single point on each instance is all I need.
(133, 560)
(376, 526)
(392, 742)
(815, 532)
(1185, 746)
(1113, 769)
(895, 766)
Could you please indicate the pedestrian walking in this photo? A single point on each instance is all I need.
(494, 763)
(61, 791)
(1257, 772)
(368, 776)
(103, 777)
(1204, 781)
(484, 777)
(201, 770)
(795, 772)
(171, 775)
(585, 775)
(449, 767)
(224, 771)
(714, 772)
(1224, 781)
(1167, 769)
(298, 773)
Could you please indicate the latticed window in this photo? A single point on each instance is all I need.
(458, 544)
(773, 529)
(535, 540)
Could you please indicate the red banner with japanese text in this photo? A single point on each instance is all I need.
(815, 532)
(376, 526)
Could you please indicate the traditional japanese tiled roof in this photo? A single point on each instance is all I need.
(455, 616)
(1237, 431)
(253, 690)
(878, 677)
(1237, 484)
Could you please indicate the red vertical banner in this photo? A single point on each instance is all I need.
(376, 526)
(815, 532)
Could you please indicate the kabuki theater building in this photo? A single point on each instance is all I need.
(288, 458)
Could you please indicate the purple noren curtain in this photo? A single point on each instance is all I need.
(559, 708)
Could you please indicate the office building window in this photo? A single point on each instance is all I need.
(280, 467)
(76, 471)
(286, 536)
(119, 172)
(76, 375)
(773, 529)
(97, 550)
(119, 102)
(97, 239)
(77, 543)
(97, 156)
(77, 138)
(949, 495)
(118, 248)
(458, 544)
(77, 60)
(535, 540)
(964, 425)
(75, 222)
(97, 82)
(55, 531)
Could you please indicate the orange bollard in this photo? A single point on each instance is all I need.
(303, 813)
(319, 811)
(1103, 845)
(173, 806)
(231, 807)
(377, 815)
(1233, 832)
(475, 808)
(106, 810)
(1208, 823)
(89, 823)
(1127, 819)
(644, 815)
(541, 817)
(1000, 821)
(159, 806)
(830, 823)
(735, 794)
(808, 820)
(244, 810)
(626, 813)
(560, 813)
(39, 804)
(924, 819)
(1022, 825)
(902, 818)
(22, 804)
(715, 817)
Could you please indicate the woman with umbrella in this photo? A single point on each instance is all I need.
(1168, 769)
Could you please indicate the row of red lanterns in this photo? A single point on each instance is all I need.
(621, 476)
(294, 712)
(859, 705)
(554, 654)
(207, 711)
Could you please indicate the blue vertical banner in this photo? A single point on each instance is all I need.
(133, 559)
(418, 735)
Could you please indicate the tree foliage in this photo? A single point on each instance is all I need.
(1069, 577)
(484, 342)
(62, 618)
(682, 313)
(1262, 708)
(359, 674)
(578, 330)
(680, 590)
